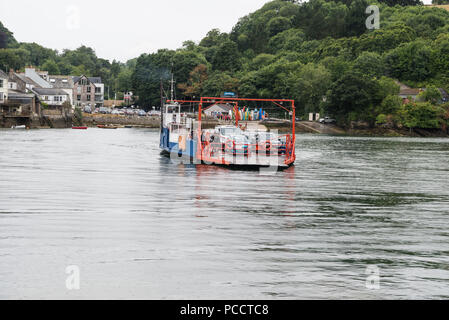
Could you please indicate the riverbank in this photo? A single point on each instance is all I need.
(302, 127)
(331, 129)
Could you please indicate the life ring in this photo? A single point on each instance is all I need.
(268, 145)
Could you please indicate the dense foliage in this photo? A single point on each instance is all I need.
(321, 54)
(318, 52)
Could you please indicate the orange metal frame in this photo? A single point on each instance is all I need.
(277, 102)
(214, 100)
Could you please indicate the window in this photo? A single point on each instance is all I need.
(78, 89)
(1, 83)
(1, 96)
(97, 90)
(88, 97)
(78, 97)
(89, 90)
(46, 98)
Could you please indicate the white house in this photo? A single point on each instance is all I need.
(218, 109)
(52, 96)
(3, 86)
(64, 83)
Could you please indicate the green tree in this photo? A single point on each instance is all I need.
(213, 38)
(7, 39)
(219, 82)
(422, 115)
(410, 61)
(277, 25)
(391, 105)
(51, 66)
(309, 87)
(194, 86)
(431, 94)
(402, 2)
(353, 97)
(227, 57)
(369, 64)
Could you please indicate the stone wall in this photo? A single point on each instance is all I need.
(104, 119)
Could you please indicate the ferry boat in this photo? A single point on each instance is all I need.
(234, 145)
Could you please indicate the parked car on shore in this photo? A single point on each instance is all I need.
(104, 110)
(154, 113)
(87, 109)
(141, 113)
(327, 120)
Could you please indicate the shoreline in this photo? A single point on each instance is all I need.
(302, 127)
(308, 127)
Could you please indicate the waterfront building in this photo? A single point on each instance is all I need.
(39, 77)
(88, 92)
(3, 87)
(218, 109)
(52, 96)
(64, 83)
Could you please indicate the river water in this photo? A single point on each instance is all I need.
(136, 226)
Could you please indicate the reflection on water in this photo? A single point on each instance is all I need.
(140, 227)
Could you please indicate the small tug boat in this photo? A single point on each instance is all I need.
(227, 145)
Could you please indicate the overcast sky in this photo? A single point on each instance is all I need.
(119, 29)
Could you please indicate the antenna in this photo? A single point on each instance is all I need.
(172, 87)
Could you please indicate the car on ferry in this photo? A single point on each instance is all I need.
(232, 140)
(238, 145)
(267, 142)
(228, 132)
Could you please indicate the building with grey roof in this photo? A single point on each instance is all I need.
(88, 91)
(37, 77)
(52, 96)
(64, 83)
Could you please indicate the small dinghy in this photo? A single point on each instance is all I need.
(79, 128)
(110, 126)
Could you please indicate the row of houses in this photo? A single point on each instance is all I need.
(33, 96)
(52, 90)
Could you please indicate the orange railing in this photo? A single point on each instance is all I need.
(213, 150)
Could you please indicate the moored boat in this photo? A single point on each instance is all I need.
(19, 127)
(109, 126)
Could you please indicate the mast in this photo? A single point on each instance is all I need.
(172, 91)
(172, 83)
(162, 106)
